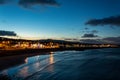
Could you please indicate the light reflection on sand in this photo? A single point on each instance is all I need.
(24, 72)
(51, 61)
(69, 65)
(26, 60)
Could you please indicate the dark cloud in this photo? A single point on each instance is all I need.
(92, 41)
(107, 40)
(112, 39)
(89, 35)
(86, 28)
(7, 33)
(71, 39)
(31, 3)
(94, 31)
(112, 21)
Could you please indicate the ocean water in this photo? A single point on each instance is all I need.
(96, 64)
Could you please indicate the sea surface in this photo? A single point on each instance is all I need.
(95, 64)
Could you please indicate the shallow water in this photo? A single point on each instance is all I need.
(97, 64)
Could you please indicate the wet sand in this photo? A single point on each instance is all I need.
(9, 58)
(15, 60)
(97, 64)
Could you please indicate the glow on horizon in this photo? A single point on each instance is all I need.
(30, 38)
(17, 37)
(67, 21)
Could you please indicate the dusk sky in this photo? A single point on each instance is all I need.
(60, 18)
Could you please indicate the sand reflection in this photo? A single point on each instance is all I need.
(24, 72)
(51, 61)
(26, 60)
(51, 58)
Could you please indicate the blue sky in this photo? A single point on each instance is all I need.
(64, 21)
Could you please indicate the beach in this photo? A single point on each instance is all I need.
(10, 58)
(93, 64)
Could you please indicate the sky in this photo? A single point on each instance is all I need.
(61, 19)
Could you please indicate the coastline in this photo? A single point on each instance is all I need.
(98, 60)
(5, 53)
(10, 58)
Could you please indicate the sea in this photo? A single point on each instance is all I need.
(94, 64)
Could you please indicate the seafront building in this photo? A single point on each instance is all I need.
(44, 44)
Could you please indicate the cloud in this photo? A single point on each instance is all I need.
(89, 35)
(86, 28)
(92, 41)
(7, 33)
(94, 31)
(112, 39)
(112, 21)
(31, 3)
(107, 40)
(71, 39)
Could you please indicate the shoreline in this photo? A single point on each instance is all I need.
(12, 62)
(6, 53)
(11, 58)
